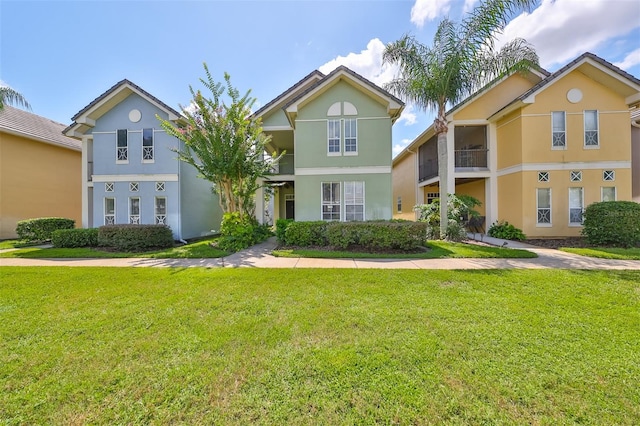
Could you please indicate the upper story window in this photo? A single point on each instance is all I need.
(122, 147)
(333, 131)
(575, 176)
(108, 187)
(609, 175)
(559, 130)
(591, 129)
(350, 136)
(543, 176)
(147, 145)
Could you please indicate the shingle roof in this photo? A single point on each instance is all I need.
(32, 126)
(287, 92)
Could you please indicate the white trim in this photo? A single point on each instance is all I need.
(322, 171)
(141, 178)
(564, 131)
(575, 224)
(332, 203)
(550, 224)
(331, 138)
(104, 133)
(104, 210)
(312, 120)
(584, 129)
(276, 128)
(531, 167)
(139, 215)
(615, 192)
(344, 128)
(478, 122)
(344, 198)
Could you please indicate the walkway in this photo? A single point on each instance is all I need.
(259, 257)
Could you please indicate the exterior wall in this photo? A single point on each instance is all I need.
(37, 180)
(276, 118)
(377, 188)
(510, 200)
(404, 180)
(200, 212)
(476, 189)
(509, 140)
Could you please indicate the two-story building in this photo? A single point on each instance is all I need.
(535, 149)
(335, 133)
(129, 172)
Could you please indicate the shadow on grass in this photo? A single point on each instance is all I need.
(606, 252)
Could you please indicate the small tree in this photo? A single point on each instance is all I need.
(224, 143)
(460, 209)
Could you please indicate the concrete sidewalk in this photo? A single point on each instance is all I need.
(259, 256)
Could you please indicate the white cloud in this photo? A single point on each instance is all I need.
(632, 59)
(397, 148)
(561, 30)
(424, 10)
(408, 116)
(468, 5)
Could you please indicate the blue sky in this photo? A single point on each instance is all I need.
(62, 54)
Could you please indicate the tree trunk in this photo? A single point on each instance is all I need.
(441, 128)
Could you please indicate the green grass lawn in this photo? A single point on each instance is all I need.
(197, 250)
(245, 346)
(436, 250)
(606, 252)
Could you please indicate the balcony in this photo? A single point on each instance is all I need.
(471, 158)
(285, 166)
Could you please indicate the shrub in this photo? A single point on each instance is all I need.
(281, 229)
(70, 238)
(239, 232)
(135, 237)
(615, 223)
(506, 231)
(41, 229)
(460, 208)
(306, 234)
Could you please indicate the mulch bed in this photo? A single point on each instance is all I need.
(554, 243)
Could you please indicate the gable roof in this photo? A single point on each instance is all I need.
(86, 117)
(281, 99)
(23, 123)
(394, 105)
(595, 68)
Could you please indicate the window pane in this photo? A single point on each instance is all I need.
(609, 193)
(122, 138)
(161, 205)
(134, 206)
(147, 137)
(591, 120)
(544, 200)
(558, 121)
(109, 206)
(575, 197)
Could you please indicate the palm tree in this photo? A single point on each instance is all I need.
(11, 97)
(462, 59)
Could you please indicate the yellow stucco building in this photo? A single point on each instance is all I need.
(40, 170)
(535, 149)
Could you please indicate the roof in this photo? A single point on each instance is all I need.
(23, 123)
(82, 121)
(291, 106)
(313, 74)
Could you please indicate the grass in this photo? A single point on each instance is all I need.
(245, 346)
(436, 250)
(197, 250)
(606, 252)
(12, 244)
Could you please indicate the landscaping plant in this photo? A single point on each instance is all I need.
(506, 231)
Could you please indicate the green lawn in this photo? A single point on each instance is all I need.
(245, 346)
(197, 250)
(606, 252)
(436, 250)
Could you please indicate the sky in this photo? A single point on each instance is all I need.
(63, 54)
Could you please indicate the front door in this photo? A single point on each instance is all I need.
(289, 206)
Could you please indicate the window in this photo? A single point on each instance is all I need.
(575, 176)
(431, 197)
(122, 149)
(333, 128)
(108, 187)
(544, 206)
(350, 136)
(161, 211)
(134, 186)
(608, 193)
(147, 144)
(543, 176)
(576, 206)
(591, 128)
(609, 175)
(109, 211)
(134, 210)
(559, 126)
(330, 201)
(399, 204)
(353, 201)
(159, 186)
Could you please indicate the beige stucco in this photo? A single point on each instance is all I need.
(403, 182)
(37, 180)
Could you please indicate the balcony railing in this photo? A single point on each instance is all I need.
(285, 166)
(471, 158)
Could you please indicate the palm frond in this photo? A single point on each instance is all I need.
(11, 97)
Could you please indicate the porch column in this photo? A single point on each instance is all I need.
(451, 150)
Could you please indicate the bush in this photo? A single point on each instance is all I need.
(281, 229)
(612, 223)
(506, 231)
(238, 232)
(459, 209)
(374, 235)
(135, 237)
(41, 229)
(70, 238)
(306, 234)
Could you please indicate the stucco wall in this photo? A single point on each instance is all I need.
(404, 185)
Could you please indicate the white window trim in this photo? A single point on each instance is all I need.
(118, 148)
(584, 125)
(153, 147)
(134, 186)
(575, 224)
(339, 204)
(109, 186)
(350, 153)
(563, 147)
(550, 224)
(157, 215)
(104, 210)
(139, 215)
(615, 192)
(344, 198)
(339, 153)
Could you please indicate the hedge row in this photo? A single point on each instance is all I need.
(612, 223)
(374, 235)
(41, 229)
(135, 237)
(70, 238)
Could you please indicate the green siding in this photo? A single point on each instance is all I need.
(276, 118)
